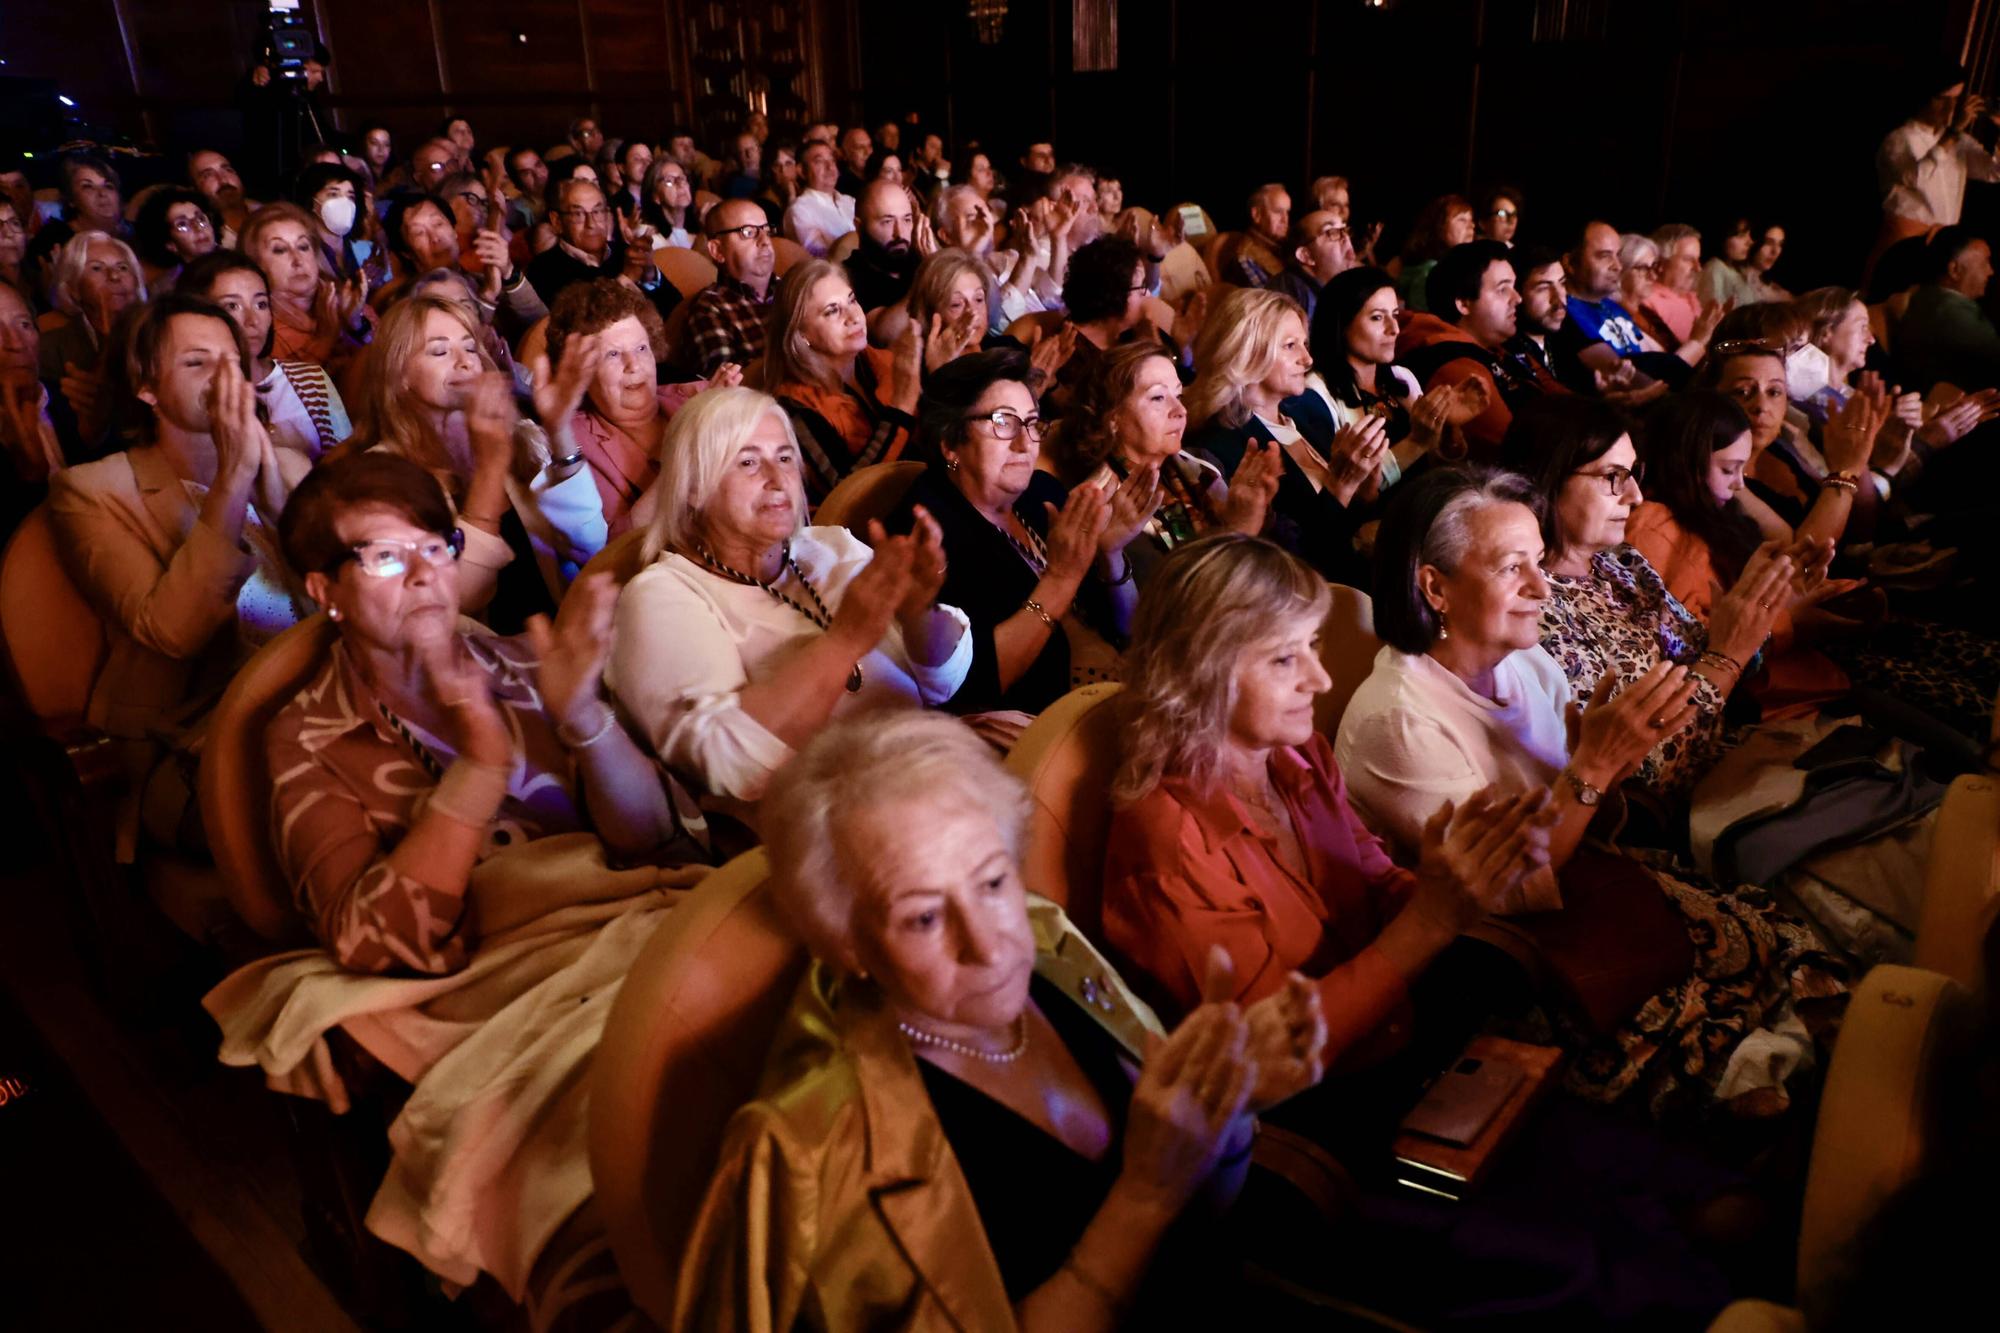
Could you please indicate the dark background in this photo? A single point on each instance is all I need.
(1641, 111)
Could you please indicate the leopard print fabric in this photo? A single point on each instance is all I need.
(1621, 619)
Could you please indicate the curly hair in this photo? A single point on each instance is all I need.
(1082, 439)
(1428, 238)
(1207, 604)
(1236, 349)
(1099, 279)
(584, 308)
(151, 236)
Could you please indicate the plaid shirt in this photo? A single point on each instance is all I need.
(726, 323)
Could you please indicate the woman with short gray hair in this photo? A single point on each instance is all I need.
(968, 1118)
(747, 631)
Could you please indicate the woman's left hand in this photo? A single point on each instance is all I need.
(947, 342)
(559, 394)
(574, 651)
(490, 418)
(1287, 1034)
(1356, 455)
(927, 566)
(728, 375)
(1133, 505)
(1253, 487)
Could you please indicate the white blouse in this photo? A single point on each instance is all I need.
(293, 423)
(1415, 736)
(687, 641)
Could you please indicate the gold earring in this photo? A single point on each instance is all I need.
(1444, 632)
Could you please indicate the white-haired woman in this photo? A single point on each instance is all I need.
(1250, 388)
(97, 277)
(1638, 285)
(953, 1130)
(433, 395)
(749, 630)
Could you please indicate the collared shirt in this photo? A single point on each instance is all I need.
(1923, 174)
(726, 322)
(817, 219)
(1187, 870)
(346, 790)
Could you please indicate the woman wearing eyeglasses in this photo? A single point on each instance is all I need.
(1039, 570)
(1499, 215)
(175, 227)
(428, 745)
(1609, 615)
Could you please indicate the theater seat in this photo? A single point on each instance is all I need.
(786, 252)
(235, 782)
(843, 248)
(1904, 1035)
(1347, 649)
(867, 492)
(1961, 881)
(683, 1047)
(688, 270)
(1067, 756)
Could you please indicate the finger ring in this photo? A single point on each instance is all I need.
(1656, 723)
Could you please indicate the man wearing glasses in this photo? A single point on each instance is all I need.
(1319, 247)
(593, 243)
(726, 322)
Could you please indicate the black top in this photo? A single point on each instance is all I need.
(987, 578)
(1312, 524)
(1034, 1194)
(555, 268)
(880, 278)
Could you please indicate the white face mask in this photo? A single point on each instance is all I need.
(1806, 373)
(338, 215)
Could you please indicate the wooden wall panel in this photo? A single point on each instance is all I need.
(498, 50)
(382, 53)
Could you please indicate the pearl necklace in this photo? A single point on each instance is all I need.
(1005, 1057)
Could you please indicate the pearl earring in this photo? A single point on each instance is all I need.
(1444, 631)
(333, 613)
(951, 465)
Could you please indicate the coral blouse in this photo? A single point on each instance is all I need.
(1186, 871)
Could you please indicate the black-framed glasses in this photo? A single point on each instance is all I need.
(1614, 478)
(752, 232)
(387, 558)
(475, 198)
(1008, 425)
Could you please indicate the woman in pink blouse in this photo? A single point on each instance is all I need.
(427, 744)
(605, 340)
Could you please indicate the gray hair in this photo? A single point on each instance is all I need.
(1631, 246)
(1672, 234)
(1450, 535)
(74, 258)
(701, 440)
(941, 206)
(899, 760)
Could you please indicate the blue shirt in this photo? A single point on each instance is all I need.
(1606, 321)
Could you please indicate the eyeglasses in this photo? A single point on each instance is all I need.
(12, 227)
(1505, 214)
(1008, 425)
(752, 232)
(1614, 478)
(386, 558)
(199, 222)
(598, 214)
(476, 199)
(1745, 347)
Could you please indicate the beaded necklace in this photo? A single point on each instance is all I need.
(1006, 1057)
(816, 613)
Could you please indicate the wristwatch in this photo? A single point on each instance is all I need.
(1586, 795)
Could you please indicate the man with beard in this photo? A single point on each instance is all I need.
(963, 221)
(885, 260)
(821, 214)
(1320, 248)
(211, 173)
(531, 177)
(585, 248)
(1075, 187)
(726, 321)
(1539, 278)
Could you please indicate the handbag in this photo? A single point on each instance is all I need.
(1616, 942)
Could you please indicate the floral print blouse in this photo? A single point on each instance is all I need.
(1621, 619)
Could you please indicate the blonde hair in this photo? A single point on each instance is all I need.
(900, 760)
(269, 216)
(388, 416)
(787, 358)
(1237, 348)
(930, 289)
(74, 258)
(700, 443)
(1207, 604)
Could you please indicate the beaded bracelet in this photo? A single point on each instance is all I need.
(1035, 606)
(575, 742)
(1841, 481)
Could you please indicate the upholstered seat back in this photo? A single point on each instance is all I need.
(867, 492)
(235, 782)
(1347, 648)
(683, 1048)
(1068, 756)
(55, 644)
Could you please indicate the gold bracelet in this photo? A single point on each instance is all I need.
(1035, 606)
(1722, 661)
